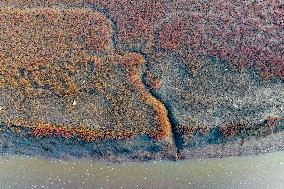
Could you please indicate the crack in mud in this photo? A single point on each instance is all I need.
(176, 136)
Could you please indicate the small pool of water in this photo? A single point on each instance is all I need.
(252, 172)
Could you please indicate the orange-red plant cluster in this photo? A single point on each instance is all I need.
(88, 135)
(133, 63)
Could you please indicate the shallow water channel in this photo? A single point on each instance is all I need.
(253, 172)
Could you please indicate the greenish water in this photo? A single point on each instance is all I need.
(253, 172)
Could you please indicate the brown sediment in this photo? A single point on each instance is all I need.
(47, 66)
(88, 135)
(24, 71)
(132, 61)
(35, 41)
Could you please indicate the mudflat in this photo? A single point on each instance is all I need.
(152, 80)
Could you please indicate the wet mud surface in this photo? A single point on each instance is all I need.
(123, 81)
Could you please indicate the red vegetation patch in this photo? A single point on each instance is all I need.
(246, 34)
(48, 130)
(48, 36)
(52, 46)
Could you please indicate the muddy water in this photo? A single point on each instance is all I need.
(253, 172)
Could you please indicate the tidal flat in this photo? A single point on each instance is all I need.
(253, 172)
